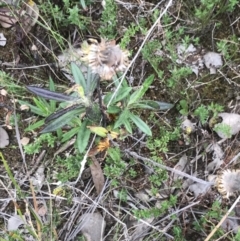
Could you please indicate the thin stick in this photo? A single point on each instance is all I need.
(134, 154)
(223, 218)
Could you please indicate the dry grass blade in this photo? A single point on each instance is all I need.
(97, 175)
(222, 220)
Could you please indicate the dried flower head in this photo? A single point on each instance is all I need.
(105, 58)
(228, 182)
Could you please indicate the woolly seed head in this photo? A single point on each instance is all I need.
(105, 58)
(228, 182)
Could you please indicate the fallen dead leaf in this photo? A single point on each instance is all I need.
(213, 61)
(97, 175)
(25, 141)
(102, 146)
(7, 19)
(3, 91)
(30, 17)
(93, 226)
(24, 107)
(8, 117)
(231, 122)
(42, 211)
(4, 138)
(3, 40)
(14, 222)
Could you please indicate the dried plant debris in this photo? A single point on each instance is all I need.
(14, 222)
(11, 2)
(70, 55)
(97, 175)
(38, 178)
(3, 40)
(229, 126)
(188, 126)
(190, 56)
(228, 182)
(199, 189)
(27, 16)
(105, 58)
(230, 224)
(196, 59)
(7, 18)
(4, 138)
(213, 61)
(217, 157)
(182, 166)
(141, 230)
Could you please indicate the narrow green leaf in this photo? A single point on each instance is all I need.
(138, 94)
(113, 109)
(121, 94)
(50, 95)
(52, 88)
(39, 104)
(91, 82)
(38, 111)
(83, 136)
(141, 106)
(34, 109)
(122, 118)
(35, 125)
(60, 122)
(51, 84)
(140, 124)
(151, 104)
(107, 98)
(61, 112)
(78, 76)
(68, 135)
(128, 126)
(164, 105)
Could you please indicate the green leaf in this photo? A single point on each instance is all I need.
(78, 76)
(113, 109)
(183, 104)
(128, 126)
(152, 105)
(121, 94)
(83, 136)
(91, 82)
(52, 88)
(35, 109)
(122, 118)
(68, 135)
(164, 105)
(50, 95)
(98, 130)
(140, 124)
(40, 104)
(146, 104)
(60, 121)
(35, 125)
(63, 111)
(138, 94)
(114, 154)
(107, 98)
